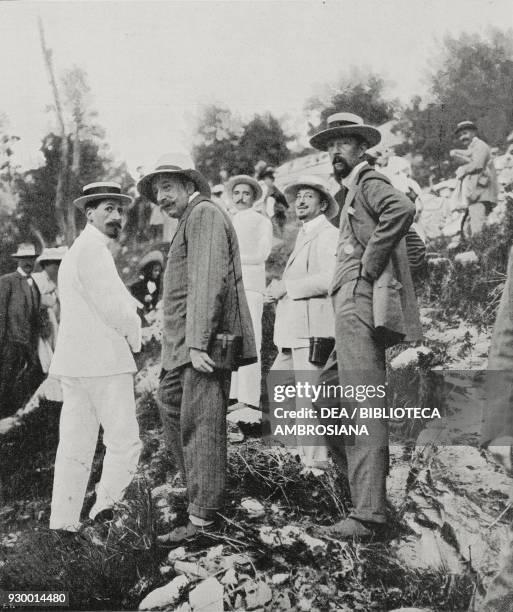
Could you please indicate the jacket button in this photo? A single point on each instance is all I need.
(348, 249)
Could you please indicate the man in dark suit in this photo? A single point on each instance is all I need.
(203, 295)
(20, 371)
(375, 218)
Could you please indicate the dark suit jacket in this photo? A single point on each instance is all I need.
(19, 311)
(203, 292)
(381, 216)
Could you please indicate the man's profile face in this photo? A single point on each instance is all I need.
(26, 264)
(243, 196)
(466, 136)
(345, 153)
(309, 204)
(109, 217)
(172, 194)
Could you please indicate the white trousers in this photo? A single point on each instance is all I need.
(296, 363)
(245, 385)
(88, 403)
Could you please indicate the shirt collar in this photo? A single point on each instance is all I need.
(96, 234)
(348, 181)
(194, 195)
(20, 271)
(313, 224)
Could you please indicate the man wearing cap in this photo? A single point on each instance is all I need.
(477, 175)
(20, 370)
(203, 296)
(374, 305)
(99, 330)
(304, 309)
(255, 235)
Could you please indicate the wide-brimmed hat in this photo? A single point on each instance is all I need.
(173, 163)
(244, 179)
(25, 249)
(151, 257)
(52, 254)
(314, 182)
(465, 125)
(105, 190)
(345, 124)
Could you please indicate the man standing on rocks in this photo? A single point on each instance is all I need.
(255, 235)
(98, 331)
(374, 304)
(20, 369)
(204, 305)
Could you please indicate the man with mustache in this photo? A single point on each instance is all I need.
(477, 175)
(203, 297)
(99, 330)
(255, 236)
(374, 304)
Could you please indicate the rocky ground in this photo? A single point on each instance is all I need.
(451, 506)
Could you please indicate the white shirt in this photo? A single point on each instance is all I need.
(255, 236)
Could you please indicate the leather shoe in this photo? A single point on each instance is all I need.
(350, 528)
(184, 533)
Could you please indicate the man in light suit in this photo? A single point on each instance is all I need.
(255, 236)
(478, 176)
(304, 308)
(203, 295)
(370, 314)
(20, 369)
(93, 359)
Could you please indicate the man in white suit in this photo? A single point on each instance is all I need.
(304, 309)
(255, 236)
(98, 331)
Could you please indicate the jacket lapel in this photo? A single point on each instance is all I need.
(307, 239)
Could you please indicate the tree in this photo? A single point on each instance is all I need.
(263, 139)
(357, 91)
(472, 78)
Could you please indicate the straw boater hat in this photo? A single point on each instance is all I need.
(151, 257)
(314, 182)
(173, 163)
(345, 124)
(245, 179)
(101, 191)
(25, 249)
(52, 254)
(465, 125)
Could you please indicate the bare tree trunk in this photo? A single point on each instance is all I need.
(61, 209)
(75, 169)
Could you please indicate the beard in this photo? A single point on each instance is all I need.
(341, 168)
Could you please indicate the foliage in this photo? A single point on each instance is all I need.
(357, 91)
(472, 78)
(223, 142)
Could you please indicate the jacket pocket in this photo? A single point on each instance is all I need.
(389, 322)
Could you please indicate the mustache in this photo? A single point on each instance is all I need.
(114, 224)
(338, 159)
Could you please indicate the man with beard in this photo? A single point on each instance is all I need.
(477, 175)
(203, 302)
(372, 310)
(93, 359)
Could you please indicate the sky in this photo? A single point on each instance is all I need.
(152, 65)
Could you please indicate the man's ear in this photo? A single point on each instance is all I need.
(190, 187)
(362, 149)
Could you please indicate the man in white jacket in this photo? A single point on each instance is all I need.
(255, 236)
(93, 359)
(304, 309)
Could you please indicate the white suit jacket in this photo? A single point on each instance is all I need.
(99, 322)
(306, 310)
(255, 236)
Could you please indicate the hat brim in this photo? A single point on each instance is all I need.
(291, 193)
(243, 179)
(17, 256)
(151, 257)
(466, 126)
(81, 202)
(201, 183)
(368, 133)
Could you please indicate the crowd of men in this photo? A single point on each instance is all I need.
(345, 295)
